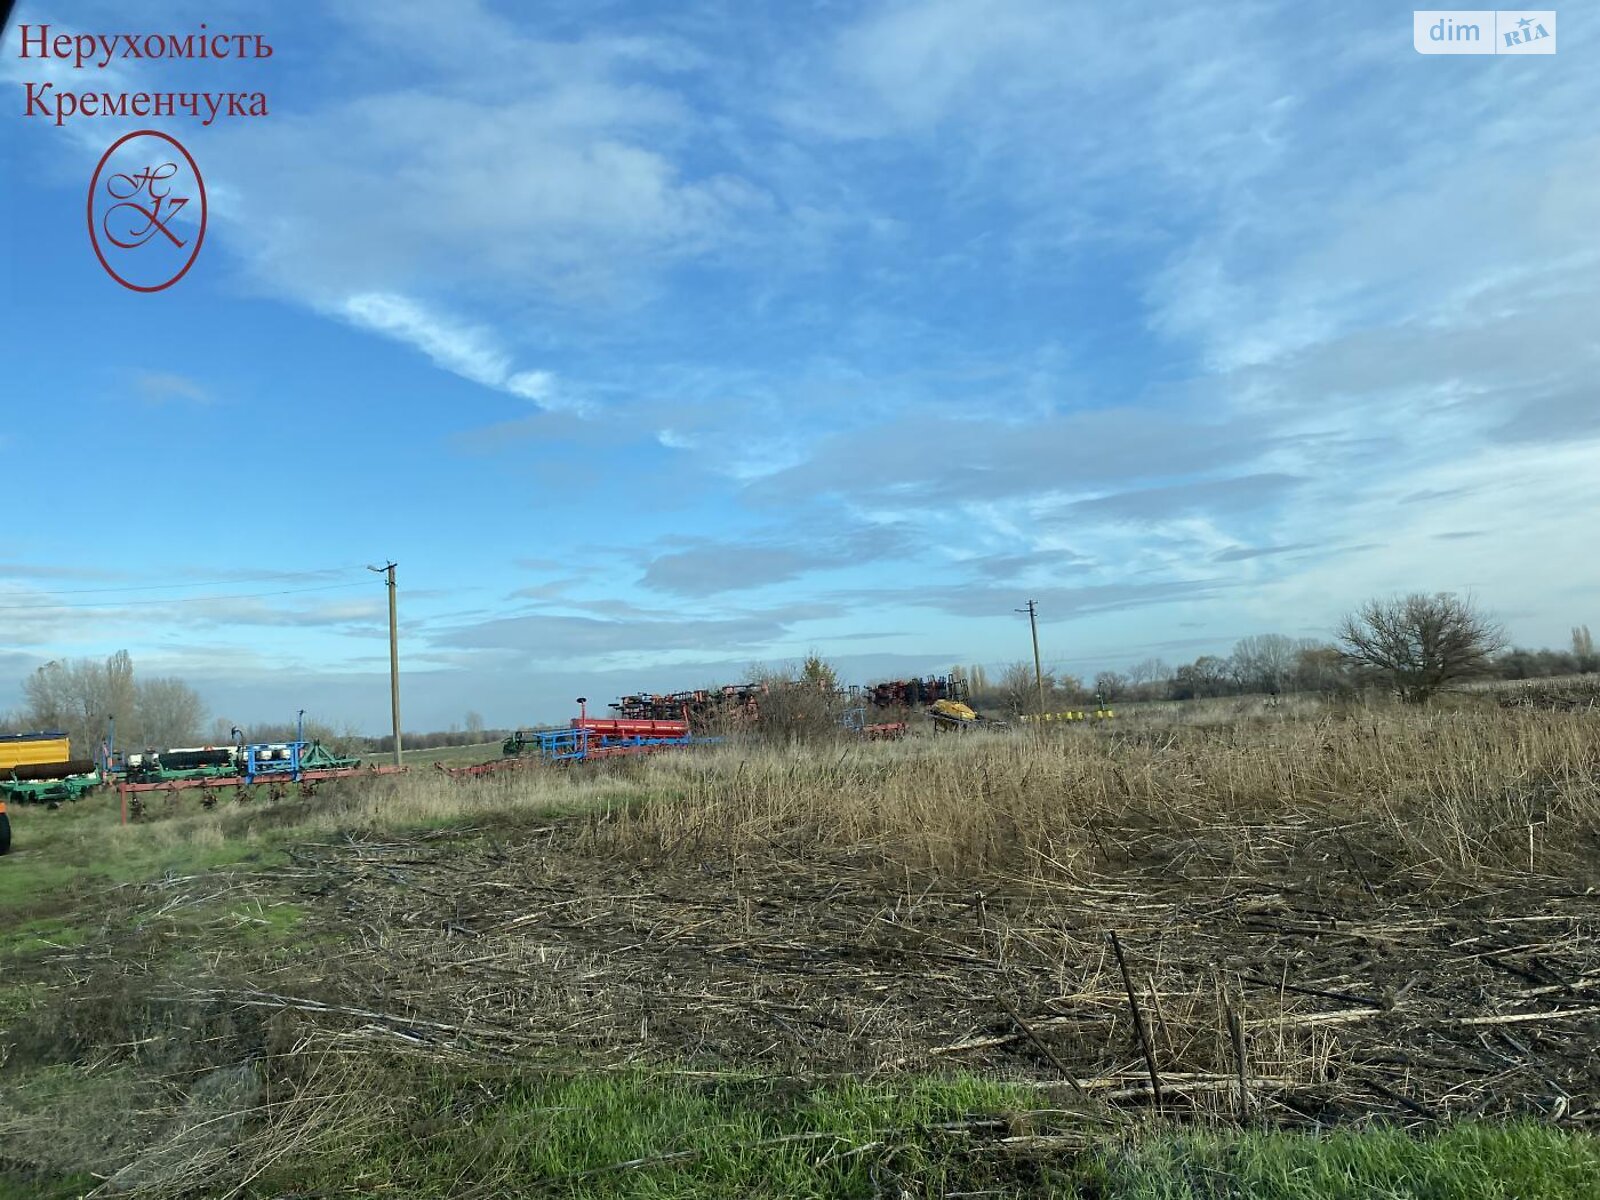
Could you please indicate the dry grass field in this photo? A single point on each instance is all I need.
(1235, 950)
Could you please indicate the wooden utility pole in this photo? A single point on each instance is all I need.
(394, 659)
(1038, 671)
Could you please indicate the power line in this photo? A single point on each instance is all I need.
(188, 599)
(152, 587)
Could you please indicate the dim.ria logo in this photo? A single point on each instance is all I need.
(147, 211)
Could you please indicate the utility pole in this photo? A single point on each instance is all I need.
(1038, 672)
(394, 659)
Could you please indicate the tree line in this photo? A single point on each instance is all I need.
(77, 696)
(1413, 646)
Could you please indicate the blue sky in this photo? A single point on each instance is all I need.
(653, 341)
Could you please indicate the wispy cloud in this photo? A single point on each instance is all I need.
(709, 568)
(165, 387)
(469, 351)
(1242, 553)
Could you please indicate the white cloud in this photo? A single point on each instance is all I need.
(469, 351)
(528, 182)
(533, 385)
(463, 349)
(567, 194)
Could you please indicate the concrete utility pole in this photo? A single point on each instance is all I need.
(394, 659)
(1038, 672)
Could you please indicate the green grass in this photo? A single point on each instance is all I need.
(42, 933)
(58, 856)
(450, 756)
(1466, 1162)
(577, 1135)
(28, 1187)
(271, 922)
(632, 1136)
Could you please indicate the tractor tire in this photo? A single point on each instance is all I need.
(5, 832)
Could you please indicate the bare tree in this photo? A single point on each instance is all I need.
(1110, 685)
(1264, 662)
(1583, 649)
(170, 712)
(1318, 667)
(1018, 688)
(78, 696)
(1015, 691)
(1207, 675)
(1149, 670)
(1420, 644)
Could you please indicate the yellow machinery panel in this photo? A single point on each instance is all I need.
(16, 751)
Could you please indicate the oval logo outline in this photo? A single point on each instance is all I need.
(94, 187)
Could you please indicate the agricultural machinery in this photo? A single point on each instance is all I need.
(599, 737)
(912, 693)
(239, 765)
(740, 704)
(651, 723)
(39, 768)
(953, 716)
(587, 739)
(704, 708)
(855, 721)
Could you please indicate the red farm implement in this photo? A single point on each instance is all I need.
(704, 708)
(586, 738)
(913, 693)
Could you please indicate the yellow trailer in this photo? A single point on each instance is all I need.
(17, 749)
